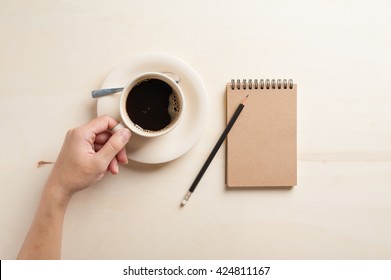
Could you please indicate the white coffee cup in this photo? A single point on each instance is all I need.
(143, 109)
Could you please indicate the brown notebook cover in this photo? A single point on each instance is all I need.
(261, 146)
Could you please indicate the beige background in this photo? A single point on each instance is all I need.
(53, 53)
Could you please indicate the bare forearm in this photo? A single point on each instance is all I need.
(43, 240)
(88, 152)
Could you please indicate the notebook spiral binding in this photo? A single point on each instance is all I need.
(263, 84)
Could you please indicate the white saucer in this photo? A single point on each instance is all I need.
(183, 137)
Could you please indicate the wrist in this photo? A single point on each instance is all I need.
(56, 194)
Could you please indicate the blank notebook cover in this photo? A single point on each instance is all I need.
(261, 146)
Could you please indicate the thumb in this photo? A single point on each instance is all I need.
(114, 145)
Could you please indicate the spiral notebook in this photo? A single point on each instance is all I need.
(261, 147)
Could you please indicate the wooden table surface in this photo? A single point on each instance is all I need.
(53, 53)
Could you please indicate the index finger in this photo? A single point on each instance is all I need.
(101, 124)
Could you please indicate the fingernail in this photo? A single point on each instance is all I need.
(125, 134)
(119, 126)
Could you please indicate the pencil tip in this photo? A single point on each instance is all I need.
(245, 99)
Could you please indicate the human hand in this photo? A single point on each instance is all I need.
(88, 152)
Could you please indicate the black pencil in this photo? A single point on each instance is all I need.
(214, 151)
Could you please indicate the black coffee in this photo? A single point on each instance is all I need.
(148, 104)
